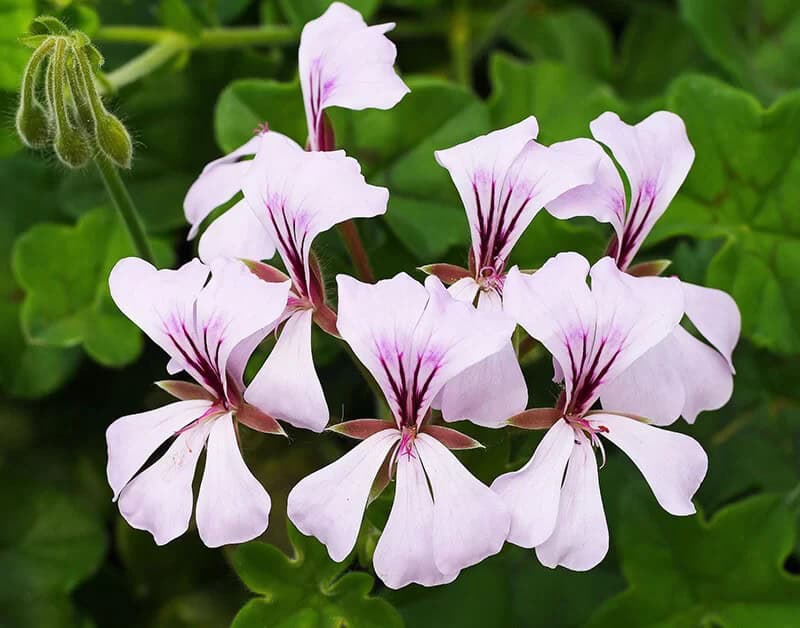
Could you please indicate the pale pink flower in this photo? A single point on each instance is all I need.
(209, 330)
(504, 178)
(342, 62)
(412, 339)
(681, 376)
(296, 195)
(594, 335)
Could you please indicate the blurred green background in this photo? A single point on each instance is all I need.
(70, 363)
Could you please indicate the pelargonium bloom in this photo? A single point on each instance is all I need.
(209, 330)
(593, 335)
(296, 195)
(681, 376)
(504, 178)
(342, 63)
(412, 339)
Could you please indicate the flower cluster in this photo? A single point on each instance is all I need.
(614, 329)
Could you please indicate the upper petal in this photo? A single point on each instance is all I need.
(532, 494)
(404, 553)
(329, 504)
(656, 155)
(220, 181)
(287, 386)
(716, 316)
(237, 233)
(159, 499)
(297, 195)
(673, 464)
(470, 522)
(580, 539)
(232, 506)
(343, 62)
(132, 439)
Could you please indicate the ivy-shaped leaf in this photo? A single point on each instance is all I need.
(744, 187)
(64, 272)
(307, 590)
(757, 42)
(687, 572)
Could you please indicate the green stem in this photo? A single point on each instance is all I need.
(124, 204)
(460, 43)
(147, 62)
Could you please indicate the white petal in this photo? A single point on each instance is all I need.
(159, 499)
(232, 506)
(673, 464)
(237, 233)
(470, 522)
(132, 439)
(716, 316)
(580, 539)
(287, 386)
(404, 553)
(532, 494)
(329, 504)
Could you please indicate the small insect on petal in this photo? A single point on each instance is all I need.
(452, 439)
(361, 428)
(184, 390)
(535, 418)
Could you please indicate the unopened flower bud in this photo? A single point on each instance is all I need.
(72, 147)
(114, 140)
(33, 125)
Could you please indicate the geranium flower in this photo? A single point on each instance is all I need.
(504, 179)
(593, 335)
(209, 330)
(342, 62)
(656, 156)
(412, 339)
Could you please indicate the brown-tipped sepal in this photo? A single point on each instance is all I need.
(450, 438)
(325, 317)
(362, 428)
(535, 418)
(184, 390)
(257, 420)
(653, 268)
(265, 272)
(448, 274)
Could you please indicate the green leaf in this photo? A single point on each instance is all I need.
(298, 12)
(307, 590)
(15, 18)
(689, 572)
(246, 104)
(178, 16)
(757, 42)
(563, 99)
(575, 37)
(48, 546)
(64, 271)
(744, 188)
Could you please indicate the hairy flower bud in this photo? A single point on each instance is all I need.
(114, 140)
(33, 124)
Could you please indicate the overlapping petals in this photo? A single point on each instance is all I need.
(594, 335)
(209, 330)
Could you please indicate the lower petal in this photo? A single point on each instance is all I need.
(232, 506)
(132, 439)
(470, 522)
(673, 464)
(404, 553)
(329, 504)
(580, 539)
(532, 494)
(159, 499)
(237, 233)
(287, 386)
(486, 393)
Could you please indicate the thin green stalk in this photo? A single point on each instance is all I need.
(124, 204)
(460, 47)
(147, 62)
